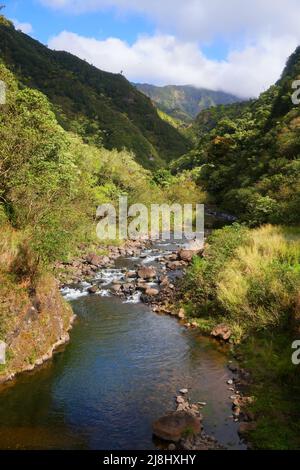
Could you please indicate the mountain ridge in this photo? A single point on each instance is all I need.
(98, 105)
(184, 102)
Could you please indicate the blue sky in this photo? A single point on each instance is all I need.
(47, 22)
(239, 46)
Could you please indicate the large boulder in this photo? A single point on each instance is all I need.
(186, 255)
(146, 273)
(174, 426)
(222, 332)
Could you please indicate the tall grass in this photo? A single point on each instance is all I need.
(260, 284)
(249, 278)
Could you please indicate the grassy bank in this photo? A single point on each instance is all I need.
(275, 384)
(250, 281)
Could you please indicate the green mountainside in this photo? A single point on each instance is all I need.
(185, 102)
(102, 107)
(248, 154)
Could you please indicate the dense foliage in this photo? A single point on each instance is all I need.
(104, 108)
(51, 181)
(250, 281)
(249, 154)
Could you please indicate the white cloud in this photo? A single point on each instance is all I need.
(163, 59)
(203, 19)
(259, 35)
(24, 27)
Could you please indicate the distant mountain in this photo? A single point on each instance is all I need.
(102, 107)
(185, 102)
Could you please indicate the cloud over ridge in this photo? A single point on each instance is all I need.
(259, 36)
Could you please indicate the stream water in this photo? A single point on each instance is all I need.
(121, 370)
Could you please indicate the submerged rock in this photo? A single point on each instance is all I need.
(174, 426)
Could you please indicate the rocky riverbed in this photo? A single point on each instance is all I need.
(143, 272)
(150, 276)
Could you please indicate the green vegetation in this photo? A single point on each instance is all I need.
(73, 137)
(103, 108)
(249, 279)
(183, 103)
(248, 160)
(248, 154)
(276, 388)
(51, 182)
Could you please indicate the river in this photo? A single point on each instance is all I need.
(121, 370)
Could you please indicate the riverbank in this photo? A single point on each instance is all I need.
(36, 329)
(40, 321)
(245, 291)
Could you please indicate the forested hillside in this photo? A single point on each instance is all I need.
(249, 154)
(247, 157)
(103, 108)
(51, 182)
(185, 102)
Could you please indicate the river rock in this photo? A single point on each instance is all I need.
(164, 281)
(93, 290)
(236, 412)
(128, 288)
(117, 288)
(180, 400)
(131, 274)
(150, 292)
(186, 255)
(94, 259)
(181, 314)
(174, 426)
(105, 261)
(174, 265)
(146, 273)
(222, 332)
